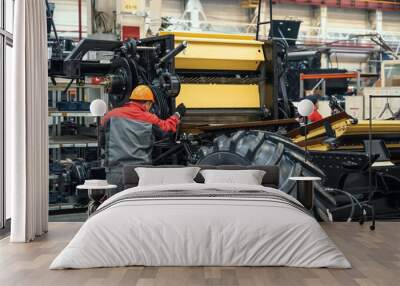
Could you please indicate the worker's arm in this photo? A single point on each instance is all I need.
(167, 125)
(315, 116)
(106, 118)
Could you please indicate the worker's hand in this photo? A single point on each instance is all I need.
(181, 110)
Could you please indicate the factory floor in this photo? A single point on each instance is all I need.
(74, 217)
(375, 257)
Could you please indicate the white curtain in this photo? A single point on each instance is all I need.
(26, 124)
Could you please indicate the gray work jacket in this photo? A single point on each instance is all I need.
(127, 142)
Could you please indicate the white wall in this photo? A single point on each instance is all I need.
(301, 13)
(391, 21)
(223, 11)
(229, 13)
(66, 17)
(172, 8)
(216, 11)
(347, 18)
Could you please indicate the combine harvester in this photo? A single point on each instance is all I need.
(237, 103)
(239, 113)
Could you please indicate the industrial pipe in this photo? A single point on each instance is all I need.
(80, 19)
(173, 53)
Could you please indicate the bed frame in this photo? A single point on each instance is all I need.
(271, 177)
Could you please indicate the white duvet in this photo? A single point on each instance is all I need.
(200, 232)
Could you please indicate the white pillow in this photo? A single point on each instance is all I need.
(166, 176)
(248, 177)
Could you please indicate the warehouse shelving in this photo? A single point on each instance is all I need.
(77, 144)
(70, 114)
(70, 141)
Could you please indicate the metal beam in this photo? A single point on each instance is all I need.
(270, 18)
(388, 5)
(258, 19)
(259, 23)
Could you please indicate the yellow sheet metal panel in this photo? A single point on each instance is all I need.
(339, 126)
(219, 96)
(378, 127)
(218, 52)
(208, 35)
(317, 147)
(326, 147)
(345, 127)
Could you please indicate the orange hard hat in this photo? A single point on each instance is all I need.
(143, 93)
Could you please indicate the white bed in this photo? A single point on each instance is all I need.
(267, 229)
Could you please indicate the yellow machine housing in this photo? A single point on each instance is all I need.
(219, 71)
(218, 52)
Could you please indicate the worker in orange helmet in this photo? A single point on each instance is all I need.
(129, 136)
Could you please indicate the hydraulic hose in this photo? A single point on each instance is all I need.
(162, 103)
(354, 201)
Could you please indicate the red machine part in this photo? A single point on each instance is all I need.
(329, 75)
(130, 32)
(98, 80)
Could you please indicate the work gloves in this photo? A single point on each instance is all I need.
(181, 110)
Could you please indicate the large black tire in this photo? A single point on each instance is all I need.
(253, 148)
(265, 148)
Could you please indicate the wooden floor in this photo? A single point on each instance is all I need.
(375, 257)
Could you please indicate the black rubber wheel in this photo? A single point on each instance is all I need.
(372, 227)
(252, 147)
(224, 158)
(124, 70)
(240, 148)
